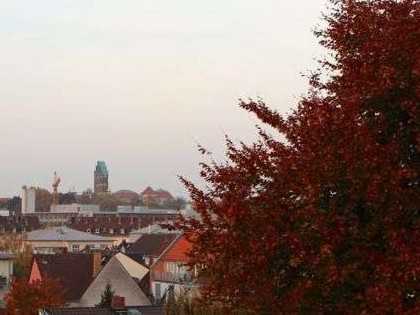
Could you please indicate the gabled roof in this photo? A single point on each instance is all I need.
(135, 269)
(148, 190)
(63, 233)
(177, 251)
(152, 244)
(121, 282)
(75, 272)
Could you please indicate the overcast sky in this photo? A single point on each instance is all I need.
(139, 83)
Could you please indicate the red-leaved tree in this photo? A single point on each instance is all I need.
(28, 298)
(327, 220)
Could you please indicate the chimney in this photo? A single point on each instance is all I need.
(118, 302)
(96, 263)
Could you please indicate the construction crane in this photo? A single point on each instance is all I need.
(56, 182)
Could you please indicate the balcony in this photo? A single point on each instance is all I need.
(181, 278)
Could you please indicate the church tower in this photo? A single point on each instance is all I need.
(100, 178)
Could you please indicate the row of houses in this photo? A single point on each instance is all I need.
(141, 272)
(118, 225)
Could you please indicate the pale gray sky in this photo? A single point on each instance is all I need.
(138, 83)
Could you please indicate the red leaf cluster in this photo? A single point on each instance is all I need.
(28, 298)
(325, 221)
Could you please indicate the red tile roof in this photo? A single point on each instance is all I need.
(148, 190)
(178, 250)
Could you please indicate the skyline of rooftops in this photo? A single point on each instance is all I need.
(63, 233)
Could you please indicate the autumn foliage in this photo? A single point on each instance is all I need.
(28, 298)
(325, 220)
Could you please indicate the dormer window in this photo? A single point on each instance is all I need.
(97, 230)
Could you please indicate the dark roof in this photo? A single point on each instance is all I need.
(19, 223)
(75, 272)
(6, 256)
(144, 310)
(152, 244)
(116, 222)
(106, 223)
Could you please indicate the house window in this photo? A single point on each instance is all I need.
(172, 267)
(97, 230)
(157, 291)
(75, 247)
(122, 231)
(176, 267)
(3, 282)
(111, 231)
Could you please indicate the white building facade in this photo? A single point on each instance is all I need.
(28, 199)
(6, 273)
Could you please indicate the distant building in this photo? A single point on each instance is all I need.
(18, 224)
(59, 218)
(149, 196)
(127, 196)
(28, 199)
(100, 178)
(74, 208)
(63, 239)
(14, 205)
(4, 203)
(118, 227)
